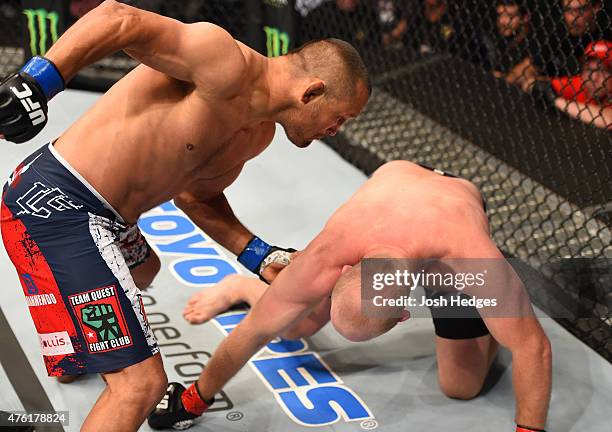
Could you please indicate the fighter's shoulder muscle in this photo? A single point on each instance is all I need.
(222, 65)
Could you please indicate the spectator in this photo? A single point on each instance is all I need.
(588, 96)
(392, 22)
(431, 29)
(354, 21)
(510, 43)
(559, 53)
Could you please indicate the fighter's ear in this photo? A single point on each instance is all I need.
(314, 90)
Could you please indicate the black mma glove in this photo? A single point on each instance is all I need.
(178, 408)
(23, 99)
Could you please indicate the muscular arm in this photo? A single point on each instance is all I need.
(189, 52)
(293, 294)
(515, 327)
(209, 209)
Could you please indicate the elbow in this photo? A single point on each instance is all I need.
(180, 203)
(185, 202)
(545, 352)
(123, 18)
(542, 348)
(539, 350)
(111, 8)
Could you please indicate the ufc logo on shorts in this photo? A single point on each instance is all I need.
(34, 110)
(40, 201)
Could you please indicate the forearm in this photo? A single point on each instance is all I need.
(531, 376)
(290, 298)
(233, 353)
(105, 30)
(312, 323)
(217, 220)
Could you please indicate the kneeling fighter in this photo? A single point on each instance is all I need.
(181, 125)
(403, 211)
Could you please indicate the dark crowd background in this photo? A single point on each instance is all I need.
(565, 44)
(515, 95)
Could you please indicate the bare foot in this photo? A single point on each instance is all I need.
(214, 300)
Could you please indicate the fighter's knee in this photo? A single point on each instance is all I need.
(461, 390)
(139, 387)
(158, 389)
(147, 390)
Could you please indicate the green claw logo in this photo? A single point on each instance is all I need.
(41, 22)
(102, 319)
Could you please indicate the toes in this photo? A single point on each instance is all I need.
(197, 318)
(193, 299)
(191, 318)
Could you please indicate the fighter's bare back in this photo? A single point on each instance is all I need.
(413, 200)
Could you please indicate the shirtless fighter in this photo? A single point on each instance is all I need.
(181, 125)
(403, 211)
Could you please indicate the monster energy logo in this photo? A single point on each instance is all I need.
(39, 20)
(277, 42)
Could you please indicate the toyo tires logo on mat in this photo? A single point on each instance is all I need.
(304, 386)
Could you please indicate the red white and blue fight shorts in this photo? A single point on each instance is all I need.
(73, 255)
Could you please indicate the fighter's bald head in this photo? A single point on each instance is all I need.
(346, 312)
(336, 62)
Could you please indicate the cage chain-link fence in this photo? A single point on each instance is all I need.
(515, 96)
